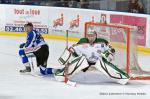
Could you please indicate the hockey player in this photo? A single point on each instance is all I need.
(92, 39)
(91, 51)
(36, 45)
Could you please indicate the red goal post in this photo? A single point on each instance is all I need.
(124, 39)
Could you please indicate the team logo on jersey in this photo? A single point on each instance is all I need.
(59, 21)
(85, 46)
(75, 22)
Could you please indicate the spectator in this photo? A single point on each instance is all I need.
(84, 4)
(135, 6)
(61, 3)
(65, 3)
(73, 3)
(6, 1)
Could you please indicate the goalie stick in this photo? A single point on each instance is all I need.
(67, 66)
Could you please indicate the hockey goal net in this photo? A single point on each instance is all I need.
(124, 39)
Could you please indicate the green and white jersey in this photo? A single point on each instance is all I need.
(97, 40)
(91, 51)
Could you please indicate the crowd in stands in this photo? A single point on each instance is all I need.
(133, 6)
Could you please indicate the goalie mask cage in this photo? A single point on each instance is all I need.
(124, 39)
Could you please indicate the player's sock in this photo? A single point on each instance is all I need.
(46, 71)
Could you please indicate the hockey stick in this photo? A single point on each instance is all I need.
(33, 72)
(30, 56)
(32, 63)
(66, 65)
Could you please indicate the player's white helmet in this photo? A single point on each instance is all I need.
(92, 35)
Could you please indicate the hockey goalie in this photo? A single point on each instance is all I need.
(90, 51)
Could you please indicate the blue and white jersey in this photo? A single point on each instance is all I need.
(34, 39)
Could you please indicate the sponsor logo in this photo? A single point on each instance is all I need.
(58, 21)
(27, 12)
(75, 22)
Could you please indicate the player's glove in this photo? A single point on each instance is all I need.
(112, 50)
(22, 45)
(108, 55)
(72, 50)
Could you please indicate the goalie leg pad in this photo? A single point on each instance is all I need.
(75, 66)
(112, 71)
(64, 57)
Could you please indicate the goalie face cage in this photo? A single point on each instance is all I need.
(124, 39)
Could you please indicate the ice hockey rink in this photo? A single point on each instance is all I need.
(13, 85)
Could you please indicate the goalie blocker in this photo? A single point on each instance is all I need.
(78, 63)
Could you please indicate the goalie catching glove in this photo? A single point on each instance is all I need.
(108, 54)
(22, 45)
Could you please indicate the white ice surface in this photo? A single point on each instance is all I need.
(90, 85)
